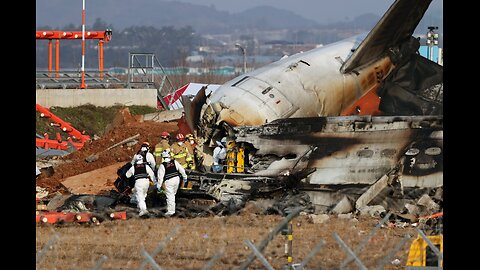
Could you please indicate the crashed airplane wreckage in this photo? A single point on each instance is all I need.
(330, 157)
(306, 122)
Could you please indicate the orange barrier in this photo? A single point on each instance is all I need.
(118, 215)
(64, 126)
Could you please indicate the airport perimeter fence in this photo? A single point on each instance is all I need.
(284, 227)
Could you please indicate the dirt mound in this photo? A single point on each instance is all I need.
(123, 127)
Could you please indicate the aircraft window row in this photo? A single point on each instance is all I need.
(368, 153)
(431, 151)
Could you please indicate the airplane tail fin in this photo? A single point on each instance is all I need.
(396, 26)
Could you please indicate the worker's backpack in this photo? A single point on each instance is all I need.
(123, 183)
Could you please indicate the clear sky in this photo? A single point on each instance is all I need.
(322, 11)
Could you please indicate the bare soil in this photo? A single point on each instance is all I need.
(199, 239)
(124, 126)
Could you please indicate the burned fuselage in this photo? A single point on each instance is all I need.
(324, 152)
(284, 117)
(345, 150)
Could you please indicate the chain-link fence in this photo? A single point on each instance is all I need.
(229, 243)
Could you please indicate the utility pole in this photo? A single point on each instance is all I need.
(82, 85)
(432, 40)
(244, 56)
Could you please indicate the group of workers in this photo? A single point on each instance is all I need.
(162, 169)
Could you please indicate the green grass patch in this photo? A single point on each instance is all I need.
(89, 118)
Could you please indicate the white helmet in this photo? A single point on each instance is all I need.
(138, 159)
(166, 154)
(223, 140)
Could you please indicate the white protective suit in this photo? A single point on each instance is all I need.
(141, 187)
(219, 154)
(150, 160)
(171, 185)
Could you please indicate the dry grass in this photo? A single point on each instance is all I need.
(199, 239)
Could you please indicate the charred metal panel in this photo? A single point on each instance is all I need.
(222, 186)
(344, 150)
(193, 108)
(414, 88)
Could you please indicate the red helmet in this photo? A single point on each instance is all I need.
(165, 135)
(180, 137)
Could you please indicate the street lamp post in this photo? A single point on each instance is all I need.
(432, 40)
(244, 56)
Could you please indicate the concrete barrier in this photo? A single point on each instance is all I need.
(164, 116)
(97, 97)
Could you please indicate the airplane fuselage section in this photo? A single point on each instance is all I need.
(349, 150)
(307, 84)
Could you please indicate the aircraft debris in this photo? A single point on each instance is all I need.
(372, 192)
(286, 121)
(331, 157)
(164, 116)
(412, 209)
(372, 210)
(318, 219)
(343, 206)
(290, 144)
(428, 204)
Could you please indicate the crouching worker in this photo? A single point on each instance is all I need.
(169, 173)
(142, 174)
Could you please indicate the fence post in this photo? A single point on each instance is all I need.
(270, 236)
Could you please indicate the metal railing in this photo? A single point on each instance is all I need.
(72, 79)
(144, 70)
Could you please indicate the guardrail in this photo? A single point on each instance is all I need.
(72, 79)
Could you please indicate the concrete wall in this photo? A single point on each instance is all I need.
(97, 97)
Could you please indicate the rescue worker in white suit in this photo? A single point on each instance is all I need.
(219, 155)
(148, 158)
(143, 174)
(146, 154)
(169, 173)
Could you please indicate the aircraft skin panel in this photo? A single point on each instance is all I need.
(303, 85)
